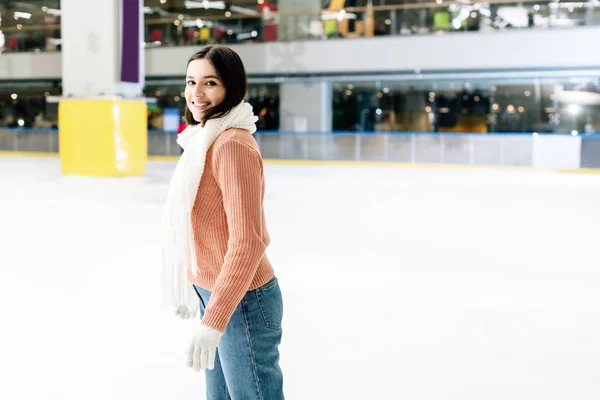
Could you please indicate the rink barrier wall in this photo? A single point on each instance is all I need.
(113, 143)
(413, 149)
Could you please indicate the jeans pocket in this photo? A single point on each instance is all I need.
(270, 303)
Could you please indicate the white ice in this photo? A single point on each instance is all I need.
(408, 284)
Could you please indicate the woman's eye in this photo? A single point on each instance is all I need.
(211, 83)
(190, 82)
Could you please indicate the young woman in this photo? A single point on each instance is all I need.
(214, 236)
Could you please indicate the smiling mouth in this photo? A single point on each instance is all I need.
(201, 104)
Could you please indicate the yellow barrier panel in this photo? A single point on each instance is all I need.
(103, 137)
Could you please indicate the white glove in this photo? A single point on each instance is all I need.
(186, 313)
(203, 349)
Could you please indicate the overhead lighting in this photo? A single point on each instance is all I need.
(14, 96)
(485, 12)
(243, 10)
(163, 1)
(340, 16)
(198, 23)
(23, 15)
(216, 5)
(574, 109)
(462, 16)
(247, 35)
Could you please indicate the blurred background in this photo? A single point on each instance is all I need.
(432, 178)
(436, 67)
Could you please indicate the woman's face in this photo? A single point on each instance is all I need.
(203, 89)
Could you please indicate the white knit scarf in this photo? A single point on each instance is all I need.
(178, 250)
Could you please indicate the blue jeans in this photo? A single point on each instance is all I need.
(247, 361)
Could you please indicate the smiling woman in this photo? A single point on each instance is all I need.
(215, 235)
(215, 83)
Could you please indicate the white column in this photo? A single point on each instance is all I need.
(93, 40)
(306, 107)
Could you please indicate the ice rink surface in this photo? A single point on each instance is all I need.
(408, 284)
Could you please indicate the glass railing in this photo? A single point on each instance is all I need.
(505, 149)
(229, 27)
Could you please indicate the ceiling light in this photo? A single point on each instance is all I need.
(243, 10)
(574, 109)
(217, 5)
(23, 15)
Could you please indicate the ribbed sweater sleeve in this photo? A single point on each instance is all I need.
(239, 173)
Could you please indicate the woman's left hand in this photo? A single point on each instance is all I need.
(185, 312)
(203, 349)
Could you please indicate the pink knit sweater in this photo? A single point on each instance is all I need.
(229, 225)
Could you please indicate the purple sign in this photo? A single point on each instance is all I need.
(130, 41)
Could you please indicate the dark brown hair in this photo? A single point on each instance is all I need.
(232, 74)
